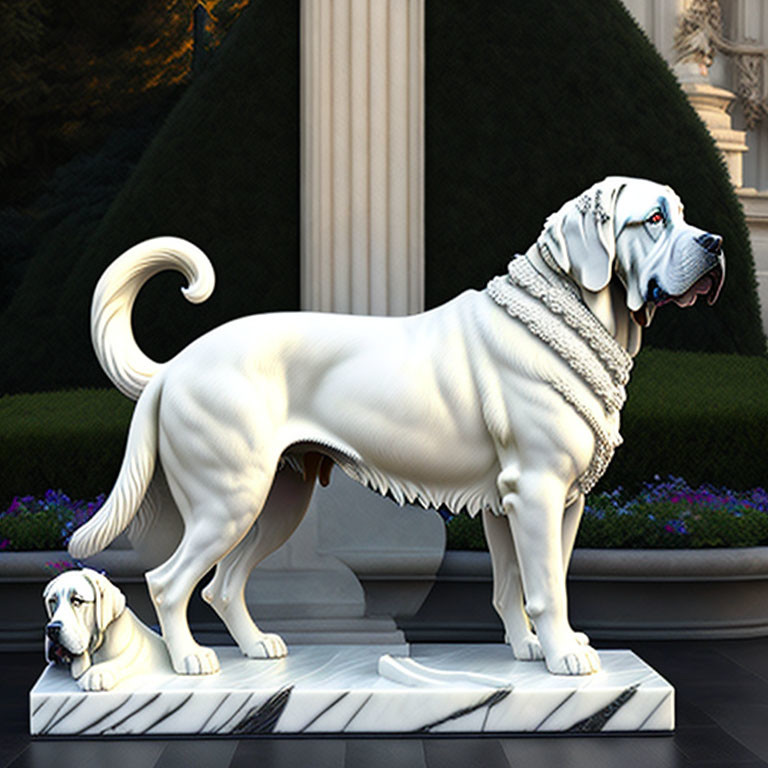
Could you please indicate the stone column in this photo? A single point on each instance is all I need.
(362, 176)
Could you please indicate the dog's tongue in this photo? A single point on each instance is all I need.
(58, 654)
(702, 286)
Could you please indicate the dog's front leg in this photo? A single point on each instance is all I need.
(534, 505)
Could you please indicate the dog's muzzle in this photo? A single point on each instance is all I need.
(707, 281)
(53, 630)
(56, 651)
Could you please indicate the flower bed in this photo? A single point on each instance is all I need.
(31, 524)
(665, 514)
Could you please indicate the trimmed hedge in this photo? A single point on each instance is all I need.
(697, 416)
(703, 417)
(71, 440)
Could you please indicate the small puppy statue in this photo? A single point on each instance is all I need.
(93, 630)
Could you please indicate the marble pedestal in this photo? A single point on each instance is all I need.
(363, 689)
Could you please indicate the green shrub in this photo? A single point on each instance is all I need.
(699, 416)
(465, 532)
(73, 440)
(40, 245)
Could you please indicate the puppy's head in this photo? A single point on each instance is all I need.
(80, 606)
(634, 229)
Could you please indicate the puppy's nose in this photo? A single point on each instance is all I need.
(711, 243)
(53, 630)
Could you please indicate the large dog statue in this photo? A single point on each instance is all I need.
(504, 402)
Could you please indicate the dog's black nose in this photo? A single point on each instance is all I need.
(53, 630)
(712, 243)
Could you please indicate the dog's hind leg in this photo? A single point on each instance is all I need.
(508, 597)
(283, 511)
(171, 584)
(216, 517)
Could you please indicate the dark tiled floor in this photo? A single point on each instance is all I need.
(722, 721)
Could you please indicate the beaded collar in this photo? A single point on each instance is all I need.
(558, 316)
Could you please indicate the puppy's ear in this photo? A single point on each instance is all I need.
(46, 594)
(110, 601)
(581, 235)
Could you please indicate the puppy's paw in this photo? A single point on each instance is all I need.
(581, 638)
(577, 660)
(266, 646)
(202, 662)
(96, 679)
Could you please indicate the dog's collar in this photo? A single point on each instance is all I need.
(556, 295)
(555, 271)
(550, 307)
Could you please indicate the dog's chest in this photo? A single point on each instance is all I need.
(569, 351)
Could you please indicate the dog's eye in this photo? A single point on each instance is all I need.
(656, 218)
(76, 602)
(52, 605)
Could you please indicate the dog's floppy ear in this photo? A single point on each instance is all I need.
(581, 234)
(46, 595)
(110, 601)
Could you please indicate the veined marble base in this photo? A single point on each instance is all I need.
(338, 690)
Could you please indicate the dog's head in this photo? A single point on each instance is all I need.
(80, 605)
(634, 229)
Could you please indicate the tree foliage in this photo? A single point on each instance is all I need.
(71, 70)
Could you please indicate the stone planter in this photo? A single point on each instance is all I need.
(670, 594)
(621, 594)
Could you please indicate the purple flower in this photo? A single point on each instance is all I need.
(56, 508)
(60, 566)
(677, 527)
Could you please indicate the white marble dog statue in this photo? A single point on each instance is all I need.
(503, 402)
(92, 628)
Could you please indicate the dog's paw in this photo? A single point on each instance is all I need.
(577, 660)
(581, 638)
(266, 646)
(202, 662)
(96, 679)
(527, 648)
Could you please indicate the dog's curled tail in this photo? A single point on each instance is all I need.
(132, 481)
(116, 349)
